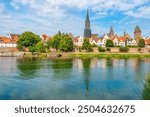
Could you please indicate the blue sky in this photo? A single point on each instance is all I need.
(50, 16)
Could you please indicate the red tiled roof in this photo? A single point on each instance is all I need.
(8, 40)
(46, 37)
(75, 39)
(118, 38)
(94, 35)
(147, 41)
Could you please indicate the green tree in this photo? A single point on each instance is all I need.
(55, 42)
(66, 43)
(40, 47)
(28, 39)
(86, 45)
(32, 49)
(109, 43)
(141, 43)
(49, 43)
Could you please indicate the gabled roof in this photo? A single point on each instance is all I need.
(127, 36)
(14, 35)
(147, 37)
(118, 38)
(46, 37)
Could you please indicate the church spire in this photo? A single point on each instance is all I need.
(87, 30)
(124, 32)
(87, 15)
(111, 33)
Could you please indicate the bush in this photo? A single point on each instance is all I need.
(117, 46)
(100, 49)
(132, 46)
(124, 49)
(108, 49)
(94, 45)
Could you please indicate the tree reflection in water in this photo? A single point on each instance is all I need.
(62, 67)
(28, 68)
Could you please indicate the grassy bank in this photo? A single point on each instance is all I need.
(109, 55)
(37, 55)
(87, 55)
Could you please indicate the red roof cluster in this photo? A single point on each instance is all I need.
(8, 40)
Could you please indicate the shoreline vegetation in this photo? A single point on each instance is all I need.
(75, 55)
(62, 46)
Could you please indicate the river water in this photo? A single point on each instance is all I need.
(90, 79)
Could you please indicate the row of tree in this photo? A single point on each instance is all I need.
(60, 41)
(31, 41)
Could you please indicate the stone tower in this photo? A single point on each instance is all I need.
(87, 30)
(111, 33)
(137, 34)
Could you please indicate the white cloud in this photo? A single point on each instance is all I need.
(49, 16)
(142, 12)
(59, 8)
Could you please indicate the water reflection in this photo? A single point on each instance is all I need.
(74, 78)
(29, 68)
(78, 63)
(7, 65)
(62, 69)
(86, 73)
(146, 90)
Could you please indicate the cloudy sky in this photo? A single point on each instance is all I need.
(49, 16)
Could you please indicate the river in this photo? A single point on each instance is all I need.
(74, 79)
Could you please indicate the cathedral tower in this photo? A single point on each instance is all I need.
(87, 30)
(111, 33)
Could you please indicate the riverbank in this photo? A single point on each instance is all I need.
(75, 55)
(11, 54)
(109, 55)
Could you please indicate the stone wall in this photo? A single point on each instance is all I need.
(95, 49)
(145, 50)
(133, 50)
(114, 50)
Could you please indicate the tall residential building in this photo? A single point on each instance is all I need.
(111, 33)
(137, 34)
(87, 30)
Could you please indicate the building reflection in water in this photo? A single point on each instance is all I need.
(8, 65)
(86, 74)
(78, 63)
